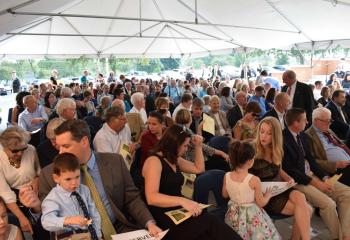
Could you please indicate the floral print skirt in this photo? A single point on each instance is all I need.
(251, 222)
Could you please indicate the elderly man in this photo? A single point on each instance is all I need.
(236, 113)
(329, 151)
(34, 116)
(114, 132)
(117, 199)
(282, 102)
(332, 199)
(301, 95)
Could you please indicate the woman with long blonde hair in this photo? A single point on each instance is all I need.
(268, 167)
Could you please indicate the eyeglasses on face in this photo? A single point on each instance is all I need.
(14, 151)
(328, 121)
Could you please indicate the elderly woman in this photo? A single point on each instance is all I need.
(226, 101)
(138, 100)
(221, 124)
(19, 166)
(48, 149)
(184, 119)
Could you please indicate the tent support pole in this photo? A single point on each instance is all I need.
(190, 39)
(287, 19)
(207, 21)
(129, 37)
(150, 45)
(10, 11)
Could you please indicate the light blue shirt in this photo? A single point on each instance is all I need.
(25, 119)
(95, 174)
(261, 102)
(202, 93)
(334, 153)
(274, 83)
(60, 204)
(173, 92)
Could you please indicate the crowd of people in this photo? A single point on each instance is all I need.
(93, 159)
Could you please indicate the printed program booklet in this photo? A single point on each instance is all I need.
(180, 215)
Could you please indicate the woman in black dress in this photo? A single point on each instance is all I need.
(267, 166)
(163, 181)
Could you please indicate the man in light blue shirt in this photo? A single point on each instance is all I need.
(34, 116)
(272, 81)
(329, 151)
(69, 206)
(258, 97)
(173, 92)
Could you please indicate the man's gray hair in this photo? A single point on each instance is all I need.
(66, 92)
(318, 112)
(136, 97)
(63, 104)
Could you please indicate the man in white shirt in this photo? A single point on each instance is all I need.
(186, 102)
(138, 100)
(114, 133)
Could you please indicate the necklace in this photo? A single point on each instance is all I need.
(14, 163)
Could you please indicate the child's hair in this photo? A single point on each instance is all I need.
(2, 202)
(65, 162)
(240, 152)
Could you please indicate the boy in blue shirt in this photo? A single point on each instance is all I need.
(69, 208)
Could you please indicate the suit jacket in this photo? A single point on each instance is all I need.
(318, 151)
(136, 125)
(271, 113)
(124, 197)
(303, 98)
(224, 123)
(46, 153)
(294, 161)
(234, 115)
(193, 124)
(339, 126)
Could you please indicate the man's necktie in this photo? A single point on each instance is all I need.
(336, 142)
(107, 226)
(301, 148)
(289, 90)
(86, 215)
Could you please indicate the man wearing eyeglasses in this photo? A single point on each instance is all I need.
(329, 151)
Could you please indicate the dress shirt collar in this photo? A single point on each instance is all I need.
(92, 161)
(338, 107)
(107, 128)
(293, 86)
(279, 113)
(294, 134)
(64, 192)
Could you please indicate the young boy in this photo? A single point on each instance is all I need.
(69, 208)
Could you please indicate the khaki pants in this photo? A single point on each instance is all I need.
(338, 222)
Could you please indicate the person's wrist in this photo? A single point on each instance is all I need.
(152, 221)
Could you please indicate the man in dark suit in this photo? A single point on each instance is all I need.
(121, 199)
(236, 113)
(299, 163)
(301, 95)
(340, 124)
(282, 102)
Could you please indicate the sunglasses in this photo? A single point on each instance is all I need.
(18, 150)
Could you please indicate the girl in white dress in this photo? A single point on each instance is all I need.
(245, 213)
(7, 231)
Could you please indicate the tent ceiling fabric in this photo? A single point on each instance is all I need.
(39, 28)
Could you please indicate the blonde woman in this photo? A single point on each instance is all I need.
(19, 166)
(267, 166)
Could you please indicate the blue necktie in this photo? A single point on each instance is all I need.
(86, 215)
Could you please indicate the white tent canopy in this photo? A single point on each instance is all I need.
(167, 28)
